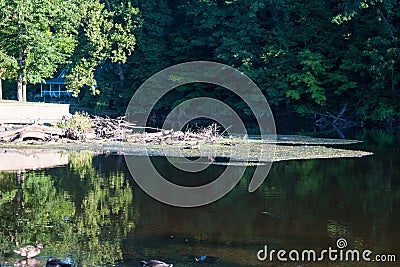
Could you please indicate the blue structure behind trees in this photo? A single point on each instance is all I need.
(55, 87)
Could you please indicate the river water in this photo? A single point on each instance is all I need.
(88, 208)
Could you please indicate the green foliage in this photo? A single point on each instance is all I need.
(8, 65)
(305, 56)
(80, 121)
(82, 75)
(38, 35)
(86, 223)
(308, 81)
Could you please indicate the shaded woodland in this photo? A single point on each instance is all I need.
(334, 61)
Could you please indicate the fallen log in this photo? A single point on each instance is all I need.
(36, 132)
(28, 134)
(9, 135)
(329, 119)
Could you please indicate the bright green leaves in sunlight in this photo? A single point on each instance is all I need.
(82, 74)
(8, 67)
(105, 34)
(43, 36)
(38, 35)
(122, 37)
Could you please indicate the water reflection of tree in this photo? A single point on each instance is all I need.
(74, 211)
(33, 210)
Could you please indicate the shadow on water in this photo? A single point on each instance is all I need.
(91, 210)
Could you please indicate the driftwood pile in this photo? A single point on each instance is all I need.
(107, 128)
(170, 137)
(16, 134)
(103, 129)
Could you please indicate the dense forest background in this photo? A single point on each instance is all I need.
(308, 57)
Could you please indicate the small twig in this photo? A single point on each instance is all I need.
(225, 130)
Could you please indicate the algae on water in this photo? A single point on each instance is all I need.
(249, 151)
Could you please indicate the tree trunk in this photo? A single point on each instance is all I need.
(21, 82)
(121, 75)
(24, 89)
(20, 85)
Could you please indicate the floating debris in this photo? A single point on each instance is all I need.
(117, 136)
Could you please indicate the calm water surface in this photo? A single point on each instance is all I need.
(90, 209)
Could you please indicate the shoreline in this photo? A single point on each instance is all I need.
(236, 149)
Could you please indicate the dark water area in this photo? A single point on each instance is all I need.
(91, 210)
